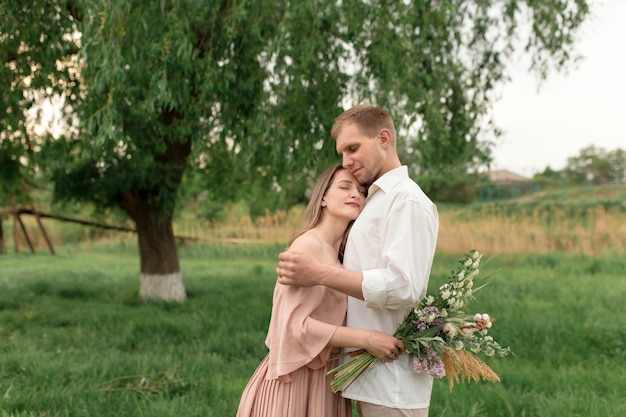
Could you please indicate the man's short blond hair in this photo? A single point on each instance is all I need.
(370, 120)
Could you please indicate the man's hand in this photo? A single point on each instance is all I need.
(303, 270)
(296, 268)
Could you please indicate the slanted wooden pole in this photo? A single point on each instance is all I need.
(28, 241)
(16, 242)
(2, 250)
(43, 230)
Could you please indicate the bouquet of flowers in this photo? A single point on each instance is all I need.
(441, 339)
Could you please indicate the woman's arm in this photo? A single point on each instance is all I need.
(379, 344)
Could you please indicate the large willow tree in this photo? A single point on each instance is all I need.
(246, 91)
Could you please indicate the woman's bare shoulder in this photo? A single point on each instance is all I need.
(308, 242)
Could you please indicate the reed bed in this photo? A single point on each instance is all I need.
(272, 227)
(593, 230)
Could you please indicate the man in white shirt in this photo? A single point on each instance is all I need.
(387, 260)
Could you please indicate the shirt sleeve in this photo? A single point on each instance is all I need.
(296, 337)
(407, 247)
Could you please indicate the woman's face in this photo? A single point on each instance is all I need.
(345, 196)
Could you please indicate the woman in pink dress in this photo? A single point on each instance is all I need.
(307, 325)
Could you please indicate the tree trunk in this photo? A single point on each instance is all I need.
(161, 278)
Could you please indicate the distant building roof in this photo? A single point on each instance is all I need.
(503, 176)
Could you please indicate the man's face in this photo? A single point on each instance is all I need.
(362, 155)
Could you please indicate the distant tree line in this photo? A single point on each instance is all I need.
(592, 165)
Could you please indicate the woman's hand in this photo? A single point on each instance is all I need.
(383, 346)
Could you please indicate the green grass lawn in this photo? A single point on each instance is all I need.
(75, 340)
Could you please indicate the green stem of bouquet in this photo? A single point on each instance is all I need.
(347, 372)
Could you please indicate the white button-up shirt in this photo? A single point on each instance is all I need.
(393, 243)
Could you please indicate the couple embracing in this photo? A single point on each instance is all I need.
(367, 248)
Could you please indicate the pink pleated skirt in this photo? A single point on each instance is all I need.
(308, 394)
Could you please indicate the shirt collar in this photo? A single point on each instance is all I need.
(389, 180)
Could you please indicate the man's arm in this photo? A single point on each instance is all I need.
(300, 269)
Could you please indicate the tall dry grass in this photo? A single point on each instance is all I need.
(270, 228)
(594, 231)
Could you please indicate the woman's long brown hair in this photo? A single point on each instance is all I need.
(313, 213)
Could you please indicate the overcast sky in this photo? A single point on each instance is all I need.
(572, 111)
